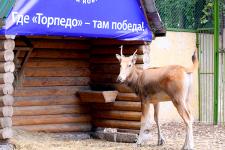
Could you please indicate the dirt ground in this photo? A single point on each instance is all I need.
(207, 137)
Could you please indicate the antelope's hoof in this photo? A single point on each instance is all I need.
(161, 142)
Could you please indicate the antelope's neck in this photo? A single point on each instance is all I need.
(133, 79)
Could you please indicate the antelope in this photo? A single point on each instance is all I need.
(173, 80)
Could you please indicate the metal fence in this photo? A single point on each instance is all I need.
(185, 14)
(211, 43)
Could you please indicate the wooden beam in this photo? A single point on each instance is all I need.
(48, 91)
(97, 96)
(117, 124)
(59, 72)
(118, 115)
(50, 119)
(55, 81)
(57, 128)
(49, 110)
(46, 100)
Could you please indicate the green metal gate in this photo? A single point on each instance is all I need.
(211, 43)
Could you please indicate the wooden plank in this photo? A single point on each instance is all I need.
(48, 91)
(97, 96)
(55, 81)
(122, 88)
(105, 68)
(117, 124)
(119, 105)
(118, 115)
(57, 128)
(46, 100)
(56, 63)
(50, 119)
(59, 72)
(49, 110)
(48, 53)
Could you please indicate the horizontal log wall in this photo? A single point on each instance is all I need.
(125, 112)
(46, 99)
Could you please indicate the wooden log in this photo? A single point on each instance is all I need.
(5, 122)
(97, 96)
(6, 78)
(119, 105)
(7, 44)
(47, 91)
(56, 63)
(59, 72)
(106, 78)
(6, 133)
(122, 88)
(110, 42)
(46, 100)
(6, 111)
(50, 119)
(6, 89)
(7, 55)
(117, 124)
(6, 100)
(65, 54)
(50, 110)
(111, 60)
(118, 115)
(127, 97)
(56, 81)
(57, 128)
(112, 50)
(7, 67)
(60, 44)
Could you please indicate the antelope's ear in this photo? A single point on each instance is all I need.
(134, 58)
(118, 57)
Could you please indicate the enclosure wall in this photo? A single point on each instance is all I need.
(45, 91)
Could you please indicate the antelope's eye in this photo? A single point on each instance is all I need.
(129, 65)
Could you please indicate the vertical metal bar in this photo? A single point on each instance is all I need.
(216, 59)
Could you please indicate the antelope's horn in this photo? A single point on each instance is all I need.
(135, 52)
(121, 50)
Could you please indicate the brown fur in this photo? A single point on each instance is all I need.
(173, 80)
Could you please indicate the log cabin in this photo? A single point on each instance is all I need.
(57, 80)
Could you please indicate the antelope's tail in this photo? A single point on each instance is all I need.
(195, 62)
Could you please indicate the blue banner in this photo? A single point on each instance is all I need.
(119, 19)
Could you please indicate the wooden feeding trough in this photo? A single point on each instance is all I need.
(97, 96)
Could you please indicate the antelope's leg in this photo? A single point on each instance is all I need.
(161, 140)
(186, 116)
(144, 134)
